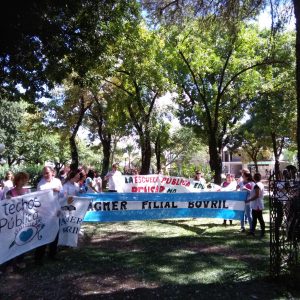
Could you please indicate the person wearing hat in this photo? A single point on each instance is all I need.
(114, 178)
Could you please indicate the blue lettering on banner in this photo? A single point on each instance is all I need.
(113, 207)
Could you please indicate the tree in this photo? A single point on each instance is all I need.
(297, 17)
(11, 120)
(42, 42)
(176, 11)
(106, 115)
(184, 151)
(249, 136)
(215, 80)
(26, 137)
(67, 111)
(142, 79)
(161, 138)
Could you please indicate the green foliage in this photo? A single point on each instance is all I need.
(215, 76)
(89, 155)
(217, 73)
(42, 43)
(142, 79)
(11, 120)
(34, 171)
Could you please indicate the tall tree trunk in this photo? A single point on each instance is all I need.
(297, 17)
(57, 167)
(158, 153)
(215, 160)
(277, 150)
(73, 146)
(106, 150)
(9, 161)
(74, 153)
(255, 165)
(146, 153)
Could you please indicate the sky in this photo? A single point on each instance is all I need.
(264, 21)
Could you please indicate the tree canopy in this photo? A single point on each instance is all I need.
(113, 60)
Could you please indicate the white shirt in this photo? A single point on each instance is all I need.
(98, 184)
(8, 183)
(70, 189)
(248, 186)
(114, 181)
(54, 183)
(257, 204)
(230, 187)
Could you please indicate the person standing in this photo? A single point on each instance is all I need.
(228, 185)
(240, 184)
(98, 182)
(20, 181)
(48, 182)
(199, 177)
(256, 200)
(90, 182)
(6, 184)
(8, 180)
(71, 185)
(114, 178)
(248, 185)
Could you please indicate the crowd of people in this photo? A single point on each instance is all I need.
(82, 180)
(74, 183)
(254, 204)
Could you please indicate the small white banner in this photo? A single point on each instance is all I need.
(73, 211)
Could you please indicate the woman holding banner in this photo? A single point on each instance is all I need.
(71, 186)
(20, 181)
(228, 185)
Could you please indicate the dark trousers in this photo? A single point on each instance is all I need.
(257, 215)
(40, 251)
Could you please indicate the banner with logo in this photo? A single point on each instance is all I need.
(112, 207)
(72, 214)
(27, 222)
(157, 183)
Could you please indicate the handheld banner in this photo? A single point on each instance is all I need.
(27, 222)
(73, 212)
(112, 207)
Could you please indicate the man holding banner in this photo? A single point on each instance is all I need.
(48, 182)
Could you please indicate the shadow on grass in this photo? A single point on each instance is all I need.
(244, 290)
(120, 264)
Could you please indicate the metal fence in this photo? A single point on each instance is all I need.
(284, 225)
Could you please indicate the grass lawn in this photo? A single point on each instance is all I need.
(167, 259)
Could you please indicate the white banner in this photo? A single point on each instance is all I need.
(163, 184)
(73, 212)
(27, 222)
